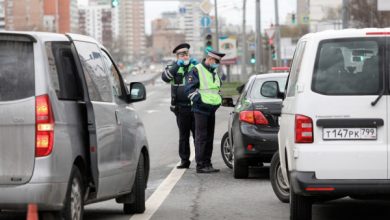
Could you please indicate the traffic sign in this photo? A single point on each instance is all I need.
(205, 21)
(270, 32)
(206, 6)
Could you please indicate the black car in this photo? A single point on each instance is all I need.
(252, 137)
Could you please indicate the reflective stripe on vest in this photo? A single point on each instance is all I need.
(181, 72)
(208, 88)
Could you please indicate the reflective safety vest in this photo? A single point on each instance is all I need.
(181, 72)
(208, 88)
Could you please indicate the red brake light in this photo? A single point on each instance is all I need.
(303, 129)
(280, 68)
(253, 117)
(378, 33)
(44, 121)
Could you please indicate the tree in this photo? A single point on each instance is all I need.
(364, 13)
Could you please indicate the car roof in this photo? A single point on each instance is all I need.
(271, 75)
(48, 36)
(346, 33)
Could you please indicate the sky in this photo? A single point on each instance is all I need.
(231, 10)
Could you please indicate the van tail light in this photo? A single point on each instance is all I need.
(303, 129)
(44, 122)
(253, 117)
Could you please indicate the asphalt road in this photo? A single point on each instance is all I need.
(212, 196)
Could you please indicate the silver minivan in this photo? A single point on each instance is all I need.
(69, 134)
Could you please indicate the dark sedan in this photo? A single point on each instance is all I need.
(252, 137)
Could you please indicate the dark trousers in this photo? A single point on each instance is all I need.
(185, 122)
(204, 137)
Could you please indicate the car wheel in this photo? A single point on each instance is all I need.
(300, 207)
(240, 169)
(226, 150)
(74, 201)
(279, 185)
(138, 206)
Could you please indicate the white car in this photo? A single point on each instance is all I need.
(333, 137)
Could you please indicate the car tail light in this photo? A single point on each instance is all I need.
(303, 129)
(44, 122)
(253, 117)
(378, 33)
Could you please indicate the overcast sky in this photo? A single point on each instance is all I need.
(229, 9)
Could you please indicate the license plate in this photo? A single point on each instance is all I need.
(349, 134)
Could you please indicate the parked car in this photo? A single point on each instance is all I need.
(333, 138)
(69, 135)
(253, 124)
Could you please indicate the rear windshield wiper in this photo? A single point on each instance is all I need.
(378, 98)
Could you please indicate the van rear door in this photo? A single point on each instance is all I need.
(350, 121)
(17, 108)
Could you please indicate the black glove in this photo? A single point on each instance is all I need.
(173, 68)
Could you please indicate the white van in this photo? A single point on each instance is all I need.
(333, 138)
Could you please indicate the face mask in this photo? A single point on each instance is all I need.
(186, 62)
(215, 65)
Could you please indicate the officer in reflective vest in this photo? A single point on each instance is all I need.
(180, 104)
(203, 85)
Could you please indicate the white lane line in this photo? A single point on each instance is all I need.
(158, 197)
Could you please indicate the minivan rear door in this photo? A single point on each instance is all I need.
(17, 108)
(350, 122)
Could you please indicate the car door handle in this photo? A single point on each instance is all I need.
(118, 121)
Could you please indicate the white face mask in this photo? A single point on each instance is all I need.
(186, 62)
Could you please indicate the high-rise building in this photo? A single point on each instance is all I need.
(96, 21)
(2, 15)
(190, 16)
(51, 16)
(60, 16)
(24, 15)
(68, 16)
(132, 29)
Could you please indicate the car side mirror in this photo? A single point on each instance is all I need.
(227, 102)
(270, 89)
(137, 92)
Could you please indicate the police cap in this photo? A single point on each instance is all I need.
(181, 48)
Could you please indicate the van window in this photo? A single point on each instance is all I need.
(17, 80)
(99, 87)
(348, 67)
(295, 69)
(256, 88)
(63, 72)
(114, 75)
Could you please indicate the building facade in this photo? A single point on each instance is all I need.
(2, 15)
(24, 15)
(132, 29)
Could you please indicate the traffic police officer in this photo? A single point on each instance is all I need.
(180, 104)
(203, 85)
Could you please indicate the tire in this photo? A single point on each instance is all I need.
(74, 200)
(279, 185)
(226, 150)
(240, 169)
(300, 207)
(138, 206)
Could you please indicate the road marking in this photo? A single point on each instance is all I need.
(158, 197)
